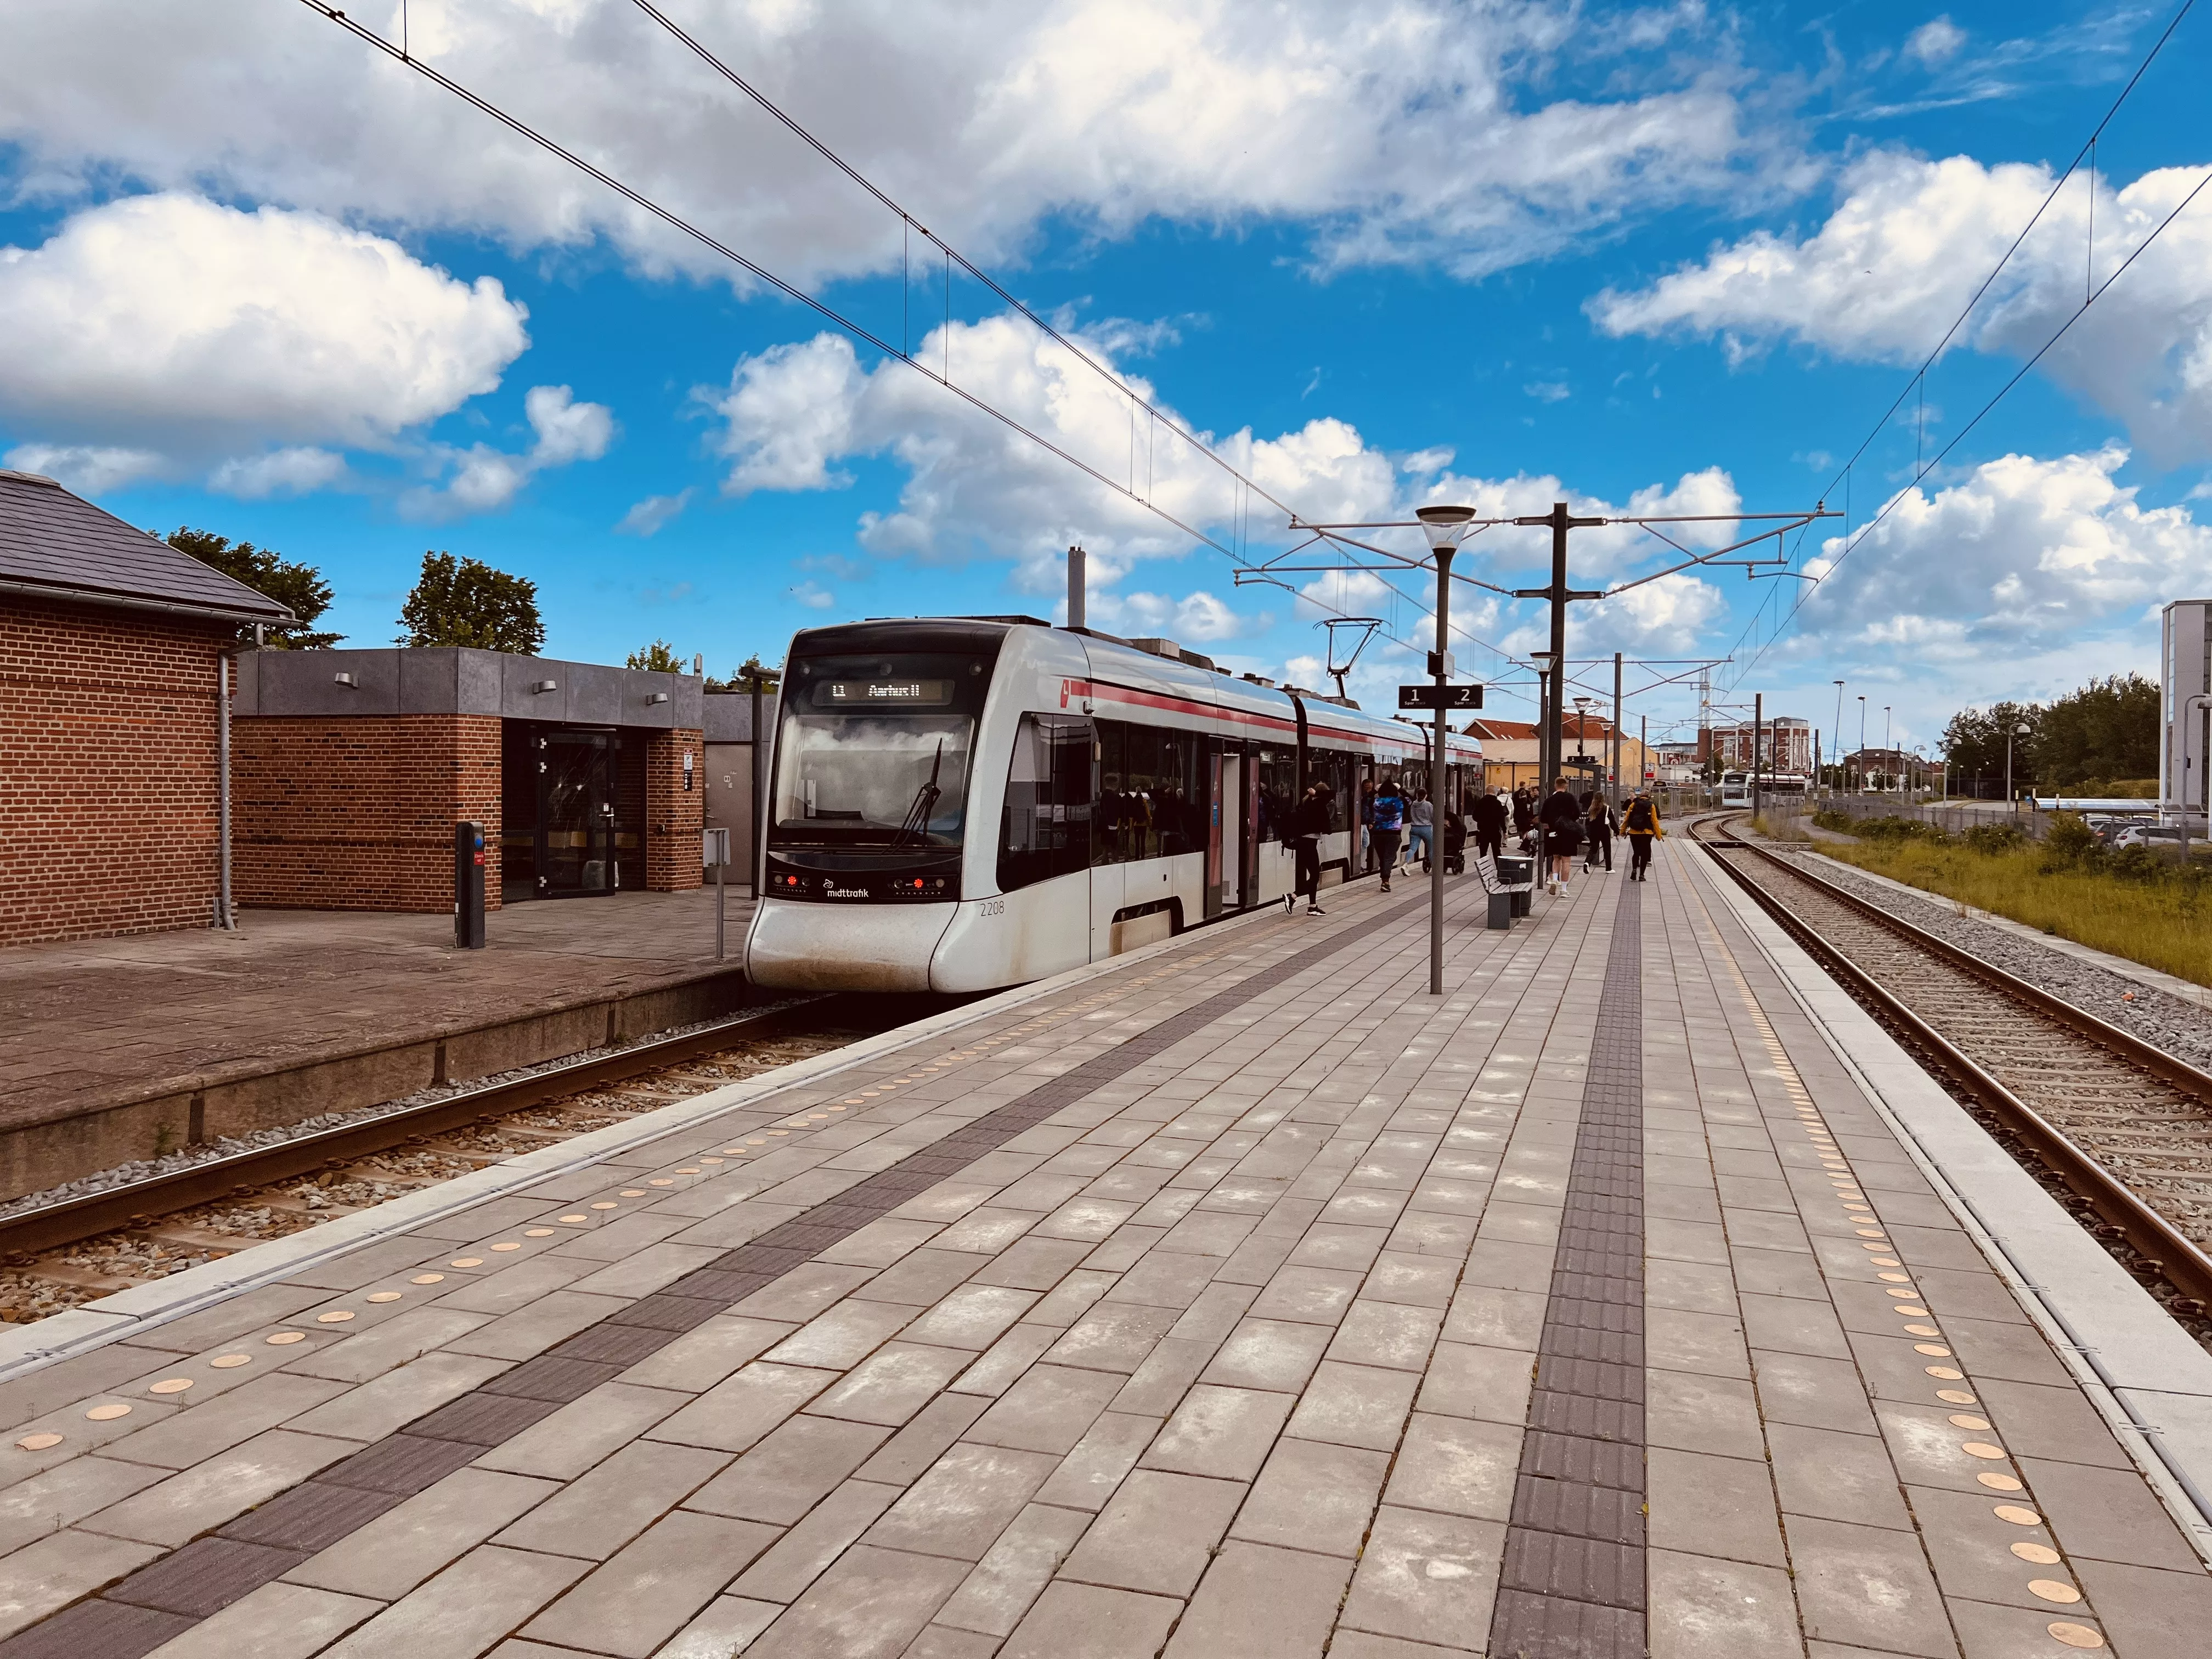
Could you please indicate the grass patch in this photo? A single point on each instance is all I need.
(2130, 903)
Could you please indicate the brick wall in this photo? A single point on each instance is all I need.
(107, 772)
(673, 815)
(358, 814)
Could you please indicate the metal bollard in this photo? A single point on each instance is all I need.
(469, 886)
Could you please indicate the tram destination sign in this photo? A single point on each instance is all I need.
(1426, 697)
(883, 694)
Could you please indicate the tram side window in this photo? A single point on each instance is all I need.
(1045, 830)
(1333, 768)
(1279, 792)
(1151, 804)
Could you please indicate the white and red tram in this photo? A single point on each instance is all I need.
(961, 804)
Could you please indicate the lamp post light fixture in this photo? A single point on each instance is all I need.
(1862, 742)
(1836, 731)
(2022, 729)
(1444, 526)
(1547, 664)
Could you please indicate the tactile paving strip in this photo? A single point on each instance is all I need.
(1572, 1582)
(266, 1543)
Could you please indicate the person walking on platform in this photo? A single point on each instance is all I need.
(1421, 830)
(1386, 820)
(1561, 819)
(1641, 826)
(1597, 831)
(1524, 811)
(1308, 823)
(1489, 824)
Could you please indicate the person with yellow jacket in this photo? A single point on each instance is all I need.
(1640, 824)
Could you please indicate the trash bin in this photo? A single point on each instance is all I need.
(1512, 873)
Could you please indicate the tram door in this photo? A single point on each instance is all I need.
(1225, 832)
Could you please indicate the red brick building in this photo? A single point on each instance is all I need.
(109, 717)
(353, 767)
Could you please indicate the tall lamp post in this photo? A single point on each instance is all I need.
(1888, 747)
(2021, 730)
(1443, 526)
(1862, 742)
(1548, 667)
(1836, 731)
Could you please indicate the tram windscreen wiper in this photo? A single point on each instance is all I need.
(916, 821)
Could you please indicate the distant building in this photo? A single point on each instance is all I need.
(111, 645)
(1785, 745)
(1883, 768)
(1510, 750)
(2184, 755)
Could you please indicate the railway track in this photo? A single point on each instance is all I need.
(2122, 1129)
(56, 1255)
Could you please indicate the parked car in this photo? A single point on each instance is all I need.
(2147, 834)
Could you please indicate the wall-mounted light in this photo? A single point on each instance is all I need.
(344, 679)
(658, 696)
(538, 686)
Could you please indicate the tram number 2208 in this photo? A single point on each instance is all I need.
(996, 907)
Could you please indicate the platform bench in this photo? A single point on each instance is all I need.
(1508, 899)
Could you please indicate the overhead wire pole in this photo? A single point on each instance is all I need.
(1560, 521)
(1444, 526)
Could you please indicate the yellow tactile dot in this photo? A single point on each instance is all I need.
(756, 1141)
(284, 1338)
(2053, 1589)
(606, 1204)
(170, 1385)
(1999, 1482)
(40, 1442)
(2042, 1554)
(1895, 1289)
(437, 1279)
(466, 1261)
(710, 1160)
(1982, 1448)
(1878, 1244)
(661, 1181)
(632, 1192)
(109, 1412)
(836, 1108)
(776, 1131)
(1885, 1261)
(1917, 1313)
(1894, 1279)
(1923, 1330)
(1963, 1421)
(573, 1219)
(1955, 1397)
(687, 1170)
(856, 1101)
(336, 1316)
(1933, 1350)
(2075, 1636)
(227, 1362)
(384, 1296)
(537, 1232)
(2017, 1515)
(1943, 1373)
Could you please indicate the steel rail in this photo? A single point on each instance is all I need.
(238, 1174)
(2175, 1256)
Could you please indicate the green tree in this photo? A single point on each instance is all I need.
(771, 678)
(466, 601)
(660, 657)
(2107, 730)
(1974, 742)
(299, 588)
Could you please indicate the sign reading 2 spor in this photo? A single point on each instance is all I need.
(1425, 697)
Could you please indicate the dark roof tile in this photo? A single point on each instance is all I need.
(50, 538)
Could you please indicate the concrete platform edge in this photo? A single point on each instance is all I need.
(26, 1348)
(2128, 1357)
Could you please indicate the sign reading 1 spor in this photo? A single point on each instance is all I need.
(1425, 697)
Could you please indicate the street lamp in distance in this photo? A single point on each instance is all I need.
(2021, 730)
(1444, 526)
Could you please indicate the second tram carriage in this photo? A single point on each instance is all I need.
(963, 804)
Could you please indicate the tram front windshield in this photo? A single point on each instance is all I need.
(874, 752)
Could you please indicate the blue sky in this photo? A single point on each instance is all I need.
(260, 282)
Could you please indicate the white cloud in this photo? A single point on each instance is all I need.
(1402, 130)
(813, 596)
(1548, 391)
(1934, 41)
(1197, 619)
(300, 470)
(2014, 559)
(647, 517)
(1913, 240)
(88, 469)
(485, 479)
(170, 325)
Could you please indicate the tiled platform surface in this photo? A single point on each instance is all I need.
(1218, 1304)
(88, 1023)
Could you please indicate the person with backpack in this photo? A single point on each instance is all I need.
(1386, 819)
(1640, 824)
(1561, 820)
(1308, 823)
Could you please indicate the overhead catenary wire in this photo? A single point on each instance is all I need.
(1915, 383)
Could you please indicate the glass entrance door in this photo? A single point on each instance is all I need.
(577, 774)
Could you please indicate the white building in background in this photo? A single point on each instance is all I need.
(2185, 689)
